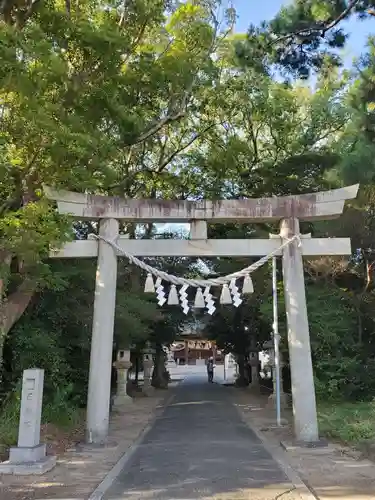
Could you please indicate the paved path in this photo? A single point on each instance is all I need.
(200, 449)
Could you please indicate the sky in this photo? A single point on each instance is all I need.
(255, 11)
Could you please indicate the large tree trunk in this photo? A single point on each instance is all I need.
(242, 380)
(136, 370)
(12, 307)
(159, 374)
(368, 279)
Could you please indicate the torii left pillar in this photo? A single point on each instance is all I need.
(98, 400)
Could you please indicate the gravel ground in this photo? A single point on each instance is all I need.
(81, 469)
(332, 473)
(201, 449)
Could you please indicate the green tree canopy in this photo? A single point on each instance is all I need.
(304, 36)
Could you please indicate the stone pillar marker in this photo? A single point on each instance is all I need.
(303, 389)
(122, 366)
(99, 392)
(31, 408)
(29, 456)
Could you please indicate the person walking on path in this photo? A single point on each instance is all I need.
(210, 369)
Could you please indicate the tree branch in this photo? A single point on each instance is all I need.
(159, 125)
(328, 133)
(122, 18)
(67, 7)
(253, 136)
(5, 262)
(6, 7)
(179, 150)
(320, 29)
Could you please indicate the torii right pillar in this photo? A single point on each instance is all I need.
(323, 205)
(302, 377)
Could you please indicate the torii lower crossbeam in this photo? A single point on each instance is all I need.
(205, 248)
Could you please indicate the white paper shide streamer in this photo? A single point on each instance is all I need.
(183, 298)
(230, 294)
(230, 285)
(160, 292)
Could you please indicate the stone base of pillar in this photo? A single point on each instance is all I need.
(254, 387)
(30, 468)
(26, 461)
(284, 401)
(121, 400)
(148, 390)
(122, 366)
(321, 446)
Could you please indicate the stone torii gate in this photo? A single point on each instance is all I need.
(288, 211)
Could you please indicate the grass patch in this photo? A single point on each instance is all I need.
(350, 423)
(60, 414)
(9, 419)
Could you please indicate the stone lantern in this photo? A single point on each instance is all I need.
(122, 365)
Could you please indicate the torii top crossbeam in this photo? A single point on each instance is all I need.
(308, 207)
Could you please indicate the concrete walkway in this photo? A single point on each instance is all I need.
(200, 449)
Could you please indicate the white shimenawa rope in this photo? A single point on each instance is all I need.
(203, 298)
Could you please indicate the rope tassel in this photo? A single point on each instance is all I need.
(199, 299)
(149, 284)
(247, 285)
(173, 299)
(225, 297)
